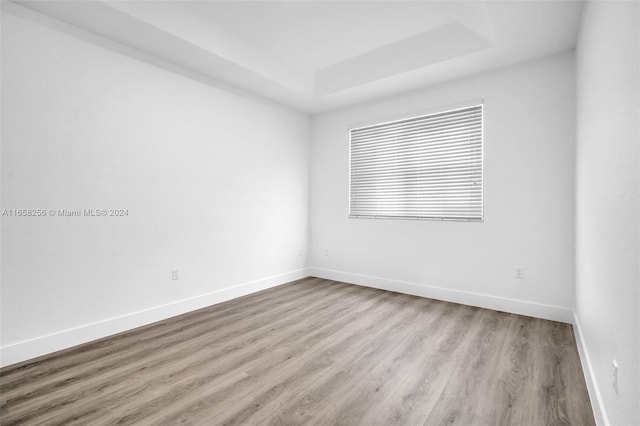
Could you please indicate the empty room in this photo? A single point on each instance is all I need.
(317, 212)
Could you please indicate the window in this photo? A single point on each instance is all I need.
(427, 167)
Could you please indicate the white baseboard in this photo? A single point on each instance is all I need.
(599, 412)
(522, 307)
(42, 345)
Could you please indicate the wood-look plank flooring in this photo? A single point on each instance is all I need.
(312, 352)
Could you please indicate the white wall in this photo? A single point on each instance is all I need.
(214, 183)
(608, 206)
(529, 199)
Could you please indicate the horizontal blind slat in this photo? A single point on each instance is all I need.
(433, 118)
(424, 144)
(466, 124)
(416, 149)
(398, 138)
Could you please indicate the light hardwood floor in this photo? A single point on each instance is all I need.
(312, 352)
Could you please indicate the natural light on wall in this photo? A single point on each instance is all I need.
(426, 167)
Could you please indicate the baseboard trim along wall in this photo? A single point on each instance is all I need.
(597, 405)
(22, 351)
(515, 306)
(28, 349)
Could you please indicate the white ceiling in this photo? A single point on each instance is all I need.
(318, 55)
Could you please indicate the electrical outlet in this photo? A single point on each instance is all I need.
(326, 252)
(175, 273)
(614, 364)
(519, 273)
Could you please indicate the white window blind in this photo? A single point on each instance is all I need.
(427, 167)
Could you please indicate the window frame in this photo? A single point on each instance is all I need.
(413, 116)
